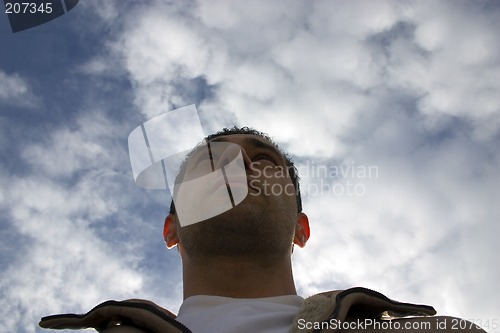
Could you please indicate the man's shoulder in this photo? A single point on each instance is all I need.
(360, 301)
(368, 310)
(130, 316)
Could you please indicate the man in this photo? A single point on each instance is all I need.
(237, 271)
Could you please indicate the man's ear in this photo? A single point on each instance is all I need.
(170, 231)
(302, 231)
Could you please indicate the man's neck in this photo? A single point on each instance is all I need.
(238, 277)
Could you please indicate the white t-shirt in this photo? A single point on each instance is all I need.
(215, 314)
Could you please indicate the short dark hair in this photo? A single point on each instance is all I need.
(292, 170)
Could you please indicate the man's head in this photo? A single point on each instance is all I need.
(290, 166)
(266, 222)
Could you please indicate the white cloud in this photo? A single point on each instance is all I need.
(249, 29)
(70, 148)
(63, 263)
(356, 19)
(16, 91)
(156, 49)
(458, 73)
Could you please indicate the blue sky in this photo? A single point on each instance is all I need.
(408, 89)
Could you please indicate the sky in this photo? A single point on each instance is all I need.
(390, 110)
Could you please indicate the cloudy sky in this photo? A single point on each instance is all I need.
(391, 110)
